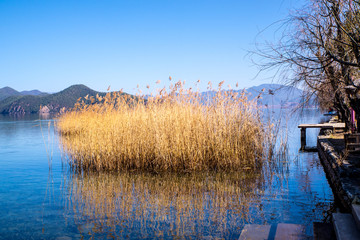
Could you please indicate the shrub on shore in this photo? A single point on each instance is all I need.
(175, 130)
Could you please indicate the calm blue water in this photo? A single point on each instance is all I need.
(40, 198)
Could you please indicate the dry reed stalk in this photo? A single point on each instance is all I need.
(175, 130)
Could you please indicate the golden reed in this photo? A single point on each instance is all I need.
(176, 130)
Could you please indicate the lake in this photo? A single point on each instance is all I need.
(41, 198)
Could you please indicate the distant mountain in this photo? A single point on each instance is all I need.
(51, 103)
(268, 95)
(8, 92)
(276, 95)
(33, 92)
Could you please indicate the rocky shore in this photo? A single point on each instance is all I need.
(341, 167)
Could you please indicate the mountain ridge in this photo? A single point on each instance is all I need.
(6, 92)
(35, 101)
(49, 103)
(276, 95)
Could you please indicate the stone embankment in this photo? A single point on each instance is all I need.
(343, 172)
(342, 168)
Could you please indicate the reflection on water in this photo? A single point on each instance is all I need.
(154, 205)
(36, 203)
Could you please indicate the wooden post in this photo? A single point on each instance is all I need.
(303, 138)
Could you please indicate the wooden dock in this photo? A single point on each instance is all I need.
(331, 127)
(284, 231)
(344, 226)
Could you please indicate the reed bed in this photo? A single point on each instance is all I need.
(176, 129)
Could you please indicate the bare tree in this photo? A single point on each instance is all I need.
(320, 47)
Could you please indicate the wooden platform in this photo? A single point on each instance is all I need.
(284, 231)
(255, 232)
(332, 127)
(323, 125)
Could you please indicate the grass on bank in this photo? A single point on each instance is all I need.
(175, 130)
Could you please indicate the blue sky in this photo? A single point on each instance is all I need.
(50, 45)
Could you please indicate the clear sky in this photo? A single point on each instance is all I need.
(50, 45)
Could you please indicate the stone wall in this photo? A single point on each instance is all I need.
(332, 164)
